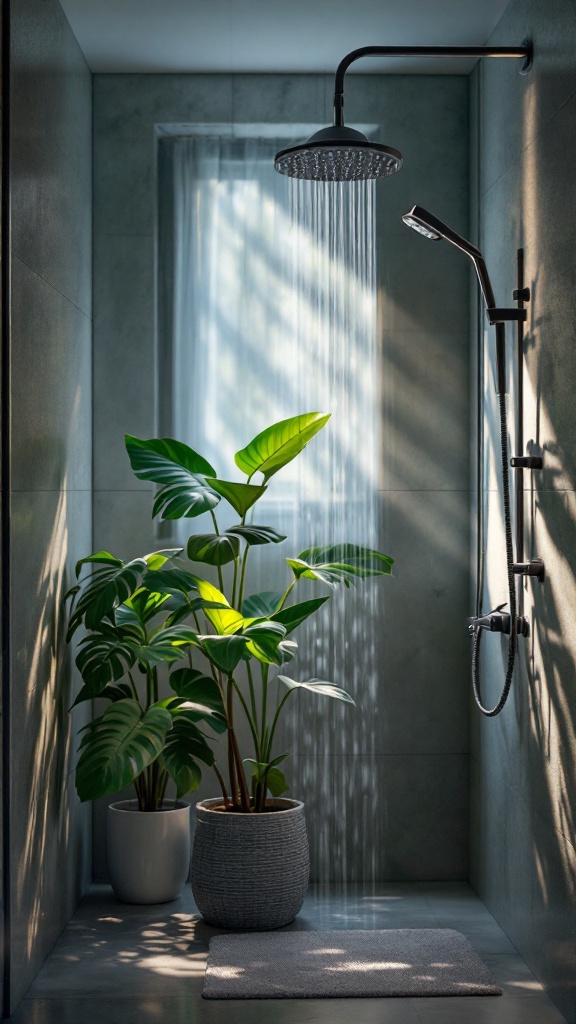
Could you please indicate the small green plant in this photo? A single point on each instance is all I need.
(157, 613)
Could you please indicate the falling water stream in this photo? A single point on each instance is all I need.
(277, 280)
(334, 362)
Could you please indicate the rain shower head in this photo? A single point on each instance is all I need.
(338, 154)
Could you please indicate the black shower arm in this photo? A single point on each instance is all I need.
(524, 51)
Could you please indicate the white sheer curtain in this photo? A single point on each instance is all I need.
(233, 303)
(274, 314)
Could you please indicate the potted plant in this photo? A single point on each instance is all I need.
(156, 625)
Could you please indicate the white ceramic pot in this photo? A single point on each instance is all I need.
(148, 851)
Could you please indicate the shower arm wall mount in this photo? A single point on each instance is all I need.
(524, 51)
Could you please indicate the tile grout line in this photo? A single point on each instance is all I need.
(87, 316)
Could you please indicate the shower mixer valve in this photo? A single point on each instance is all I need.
(498, 621)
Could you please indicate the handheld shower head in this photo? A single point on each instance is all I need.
(431, 227)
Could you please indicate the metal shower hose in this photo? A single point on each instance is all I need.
(490, 713)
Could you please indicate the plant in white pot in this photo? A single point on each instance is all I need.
(250, 861)
(141, 738)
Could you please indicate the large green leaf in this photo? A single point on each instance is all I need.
(184, 501)
(292, 616)
(340, 563)
(157, 559)
(105, 657)
(98, 558)
(177, 582)
(213, 548)
(253, 534)
(185, 746)
(288, 649)
(193, 685)
(268, 773)
(274, 447)
(170, 581)
(261, 605)
(276, 782)
(317, 686)
(139, 609)
(265, 638)
(118, 746)
(162, 460)
(225, 652)
(240, 496)
(107, 587)
(103, 590)
(194, 711)
(111, 692)
(220, 614)
(166, 645)
(180, 470)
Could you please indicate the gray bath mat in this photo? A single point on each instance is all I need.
(331, 965)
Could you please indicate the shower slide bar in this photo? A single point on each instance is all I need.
(534, 566)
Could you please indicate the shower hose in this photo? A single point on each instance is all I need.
(512, 643)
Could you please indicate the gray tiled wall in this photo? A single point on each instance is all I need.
(50, 502)
(523, 764)
(374, 813)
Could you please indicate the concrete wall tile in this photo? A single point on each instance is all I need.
(127, 109)
(400, 817)
(279, 99)
(123, 523)
(51, 387)
(516, 107)
(51, 150)
(424, 404)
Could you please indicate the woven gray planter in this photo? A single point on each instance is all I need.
(250, 871)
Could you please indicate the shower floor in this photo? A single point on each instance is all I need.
(119, 964)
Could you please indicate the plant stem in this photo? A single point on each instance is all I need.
(244, 791)
(234, 758)
(252, 695)
(268, 751)
(243, 576)
(196, 619)
(234, 583)
(231, 751)
(140, 792)
(163, 782)
(287, 594)
(219, 567)
(155, 775)
(251, 723)
(264, 670)
(133, 685)
(232, 771)
(260, 798)
(222, 782)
